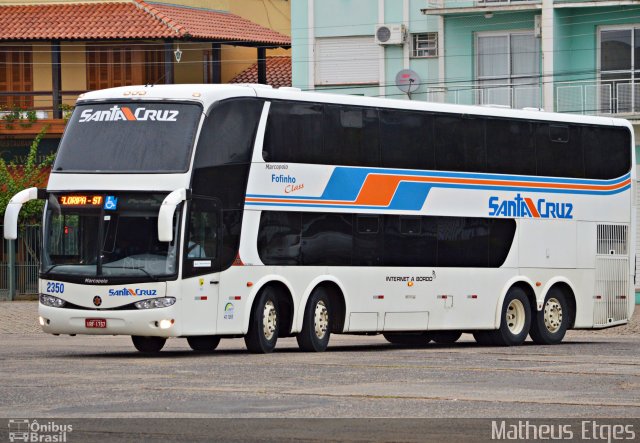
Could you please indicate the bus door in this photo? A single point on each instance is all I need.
(201, 255)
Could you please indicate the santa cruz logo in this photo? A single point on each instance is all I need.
(527, 207)
(128, 292)
(124, 113)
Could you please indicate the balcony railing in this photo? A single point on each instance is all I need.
(509, 96)
(598, 98)
(477, 3)
(584, 97)
(40, 101)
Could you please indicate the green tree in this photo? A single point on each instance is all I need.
(15, 177)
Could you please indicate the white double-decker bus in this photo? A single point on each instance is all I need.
(214, 211)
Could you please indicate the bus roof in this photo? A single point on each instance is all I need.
(207, 94)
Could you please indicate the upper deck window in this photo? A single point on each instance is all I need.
(140, 137)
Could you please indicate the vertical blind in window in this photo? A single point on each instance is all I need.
(508, 70)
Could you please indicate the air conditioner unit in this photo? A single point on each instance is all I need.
(390, 34)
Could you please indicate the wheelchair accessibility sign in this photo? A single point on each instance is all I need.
(110, 203)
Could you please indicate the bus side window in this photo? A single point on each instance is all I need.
(279, 238)
(510, 147)
(406, 139)
(409, 241)
(368, 241)
(223, 153)
(559, 150)
(292, 133)
(202, 236)
(606, 152)
(463, 241)
(327, 239)
(460, 143)
(351, 136)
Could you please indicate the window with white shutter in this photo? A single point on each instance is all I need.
(347, 61)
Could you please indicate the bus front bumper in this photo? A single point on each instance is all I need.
(159, 322)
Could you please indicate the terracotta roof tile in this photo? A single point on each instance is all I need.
(128, 20)
(278, 73)
(80, 21)
(209, 24)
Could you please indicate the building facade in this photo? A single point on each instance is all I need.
(568, 56)
(52, 51)
(557, 55)
(334, 45)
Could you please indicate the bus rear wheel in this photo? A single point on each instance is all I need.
(445, 337)
(316, 327)
(263, 326)
(203, 343)
(148, 345)
(408, 338)
(515, 319)
(549, 325)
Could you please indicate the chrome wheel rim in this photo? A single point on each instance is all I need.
(552, 315)
(321, 319)
(515, 317)
(269, 320)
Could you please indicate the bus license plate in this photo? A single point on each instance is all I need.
(95, 322)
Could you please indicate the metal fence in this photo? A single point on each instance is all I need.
(508, 95)
(26, 263)
(598, 98)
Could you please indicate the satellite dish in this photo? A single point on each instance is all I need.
(408, 81)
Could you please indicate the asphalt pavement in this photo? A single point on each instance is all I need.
(592, 374)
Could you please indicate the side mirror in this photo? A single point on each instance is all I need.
(165, 216)
(13, 210)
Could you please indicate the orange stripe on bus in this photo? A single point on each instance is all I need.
(127, 113)
(532, 207)
(378, 190)
(477, 181)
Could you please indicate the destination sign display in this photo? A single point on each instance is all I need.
(81, 200)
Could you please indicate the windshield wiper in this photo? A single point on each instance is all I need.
(50, 268)
(137, 268)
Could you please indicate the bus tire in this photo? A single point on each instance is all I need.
(203, 343)
(484, 338)
(148, 345)
(445, 337)
(263, 326)
(316, 327)
(515, 319)
(408, 338)
(549, 325)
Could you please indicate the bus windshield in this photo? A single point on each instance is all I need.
(140, 137)
(94, 235)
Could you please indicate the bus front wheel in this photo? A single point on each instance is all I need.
(203, 343)
(316, 327)
(263, 326)
(549, 325)
(148, 345)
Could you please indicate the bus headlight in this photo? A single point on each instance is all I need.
(50, 300)
(150, 303)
